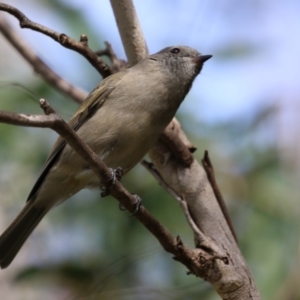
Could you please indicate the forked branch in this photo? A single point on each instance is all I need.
(195, 260)
(80, 46)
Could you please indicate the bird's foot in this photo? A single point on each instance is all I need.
(137, 203)
(116, 174)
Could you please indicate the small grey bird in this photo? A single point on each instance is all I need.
(120, 120)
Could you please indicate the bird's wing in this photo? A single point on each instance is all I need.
(93, 102)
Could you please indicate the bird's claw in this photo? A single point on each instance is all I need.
(116, 174)
(137, 203)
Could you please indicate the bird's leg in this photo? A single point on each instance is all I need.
(116, 174)
(137, 203)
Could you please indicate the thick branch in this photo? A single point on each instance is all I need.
(39, 66)
(130, 30)
(193, 186)
(80, 47)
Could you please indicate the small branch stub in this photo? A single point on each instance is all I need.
(84, 40)
(46, 107)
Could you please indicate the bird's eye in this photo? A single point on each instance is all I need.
(175, 50)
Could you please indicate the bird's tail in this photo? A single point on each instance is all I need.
(16, 234)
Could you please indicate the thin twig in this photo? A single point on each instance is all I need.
(39, 66)
(150, 167)
(202, 239)
(116, 64)
(66, 41)
(209, 169)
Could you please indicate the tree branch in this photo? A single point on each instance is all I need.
(130, 31)
(190, 181)
(225, 269)
(195, 260)
(39, 66)
(177, 142)
(209, 169)
(66, 41)
(117, 64)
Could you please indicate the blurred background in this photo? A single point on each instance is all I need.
(244, 108)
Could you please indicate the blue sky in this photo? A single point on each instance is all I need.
(264, 33)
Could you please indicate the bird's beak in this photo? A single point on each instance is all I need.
(201, 59)
(204, 58)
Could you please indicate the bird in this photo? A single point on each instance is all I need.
(120, 120)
